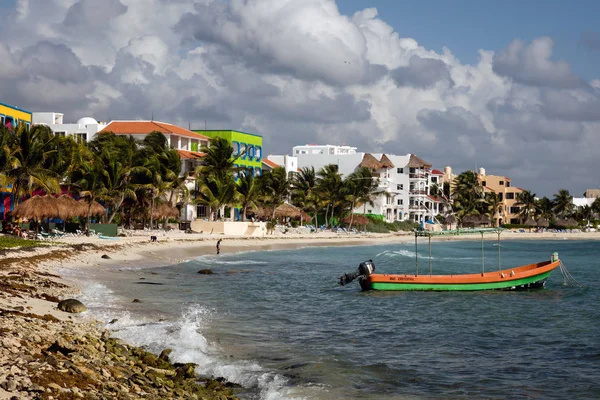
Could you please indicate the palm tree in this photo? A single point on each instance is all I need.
(218, 158)
(596, 206)
(359, 187)
(304, 192)
(495, 207)
(585, 214)
(27, 158)
(544, 208)
(330, 184)
(467, 194)
(214, 193)
(247, 192)
(563, 203)
(526, 200)
(275, 188)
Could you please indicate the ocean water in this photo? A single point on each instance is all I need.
(276, 323)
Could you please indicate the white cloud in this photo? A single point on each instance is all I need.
(299, 71)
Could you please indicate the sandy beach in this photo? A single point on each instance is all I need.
(48, 353)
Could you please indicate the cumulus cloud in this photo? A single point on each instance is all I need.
(299, 71)
(531, 65)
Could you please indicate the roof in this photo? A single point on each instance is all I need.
(436, 172)
(433, 198)
(270, 163)
(190, 155)
(145, 127)
(416, 162)
(14, 107)
(386, 162)
(370, 162)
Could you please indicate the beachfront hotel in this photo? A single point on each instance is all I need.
(84, 130)
(404, 181)
(502, 186)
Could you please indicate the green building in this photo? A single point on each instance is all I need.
(248, 144)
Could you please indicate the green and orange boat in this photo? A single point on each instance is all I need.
(529, 276)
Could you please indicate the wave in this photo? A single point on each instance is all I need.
(217, 260)
(184, 336)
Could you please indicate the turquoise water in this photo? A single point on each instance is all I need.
(277, 323)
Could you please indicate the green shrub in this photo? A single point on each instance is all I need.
(294, 223)
(8, 242)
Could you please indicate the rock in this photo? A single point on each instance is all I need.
(71, 306)
(206, 271)
(164, 355)
(106, 256)
(19, 308)
(61, 346)
(136, 301)
(113, 321)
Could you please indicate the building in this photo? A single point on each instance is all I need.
(186, 142)
(247, 145)
(83, 131)
(404, 181)
(290, 164)
(501, 185)
(12, 117)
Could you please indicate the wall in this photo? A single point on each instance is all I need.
(230, 228)
(16, 114)
(240, 140)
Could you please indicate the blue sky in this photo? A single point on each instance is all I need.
(465, 26)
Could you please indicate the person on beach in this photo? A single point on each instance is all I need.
(219, 246)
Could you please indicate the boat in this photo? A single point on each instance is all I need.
(530, 276)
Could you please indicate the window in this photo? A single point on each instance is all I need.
(507, 184)
(515, 210)
(400, 202)
(434, 179)
(400, 186)
(250, 152)
(235, 146)
(201, 211)
(243, 150)
(63, 134)
(510, 196)
(258, 153)
(484, 183)
(2, 120)
(514, 220)
(297, 151)
(400, 170)
(412, 170)
(501, 196)
(81, 137)
(501, 183)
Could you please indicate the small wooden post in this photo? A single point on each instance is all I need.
(416, 254)
(430, 267)
(499, 232)
(482, 256)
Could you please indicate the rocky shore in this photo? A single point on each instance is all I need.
(47, 353)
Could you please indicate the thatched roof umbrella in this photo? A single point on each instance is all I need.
(386, 162)
(370, 162)
(449, 220)
(68, 207)
(572, 222)
(471, 220)
(530, 222)
(97, 208)
(287, 210)
(561, 223)
(165, 210)
(356, 219)
(542, 223)
(484, 220)
(416, 162)
(37, 208)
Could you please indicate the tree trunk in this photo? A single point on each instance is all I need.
(326, 215)
(87, 222)
(152, 211)
(117, 206)
(244, 209)
(351, 216)
(332, 211)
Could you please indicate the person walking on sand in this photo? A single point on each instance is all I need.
(219, 246)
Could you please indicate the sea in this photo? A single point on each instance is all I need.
(278, 324)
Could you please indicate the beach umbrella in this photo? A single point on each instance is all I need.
(358, 219)
(450, 219)
(542, 223)
(530, 222)
(484, 220)
(470, 220)
(572, 222)
(37, 208)
(96, 209)
(561, 223)
(68, 207)
(165, 210)
(287, 210)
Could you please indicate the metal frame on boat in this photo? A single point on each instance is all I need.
(523, 277)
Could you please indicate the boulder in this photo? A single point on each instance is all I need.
(206, 271)
(106, 256)
(71, 306)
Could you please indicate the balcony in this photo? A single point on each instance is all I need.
(417, 192)
(417, 176)
(414, 207)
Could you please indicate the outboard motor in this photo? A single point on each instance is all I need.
(365, 269)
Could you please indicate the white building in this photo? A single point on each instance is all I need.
(84, 130)
(404, 181)
(290, 164)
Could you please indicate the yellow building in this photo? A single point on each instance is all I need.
(13, 116)
(501, 185)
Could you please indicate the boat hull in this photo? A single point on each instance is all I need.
(530, 276)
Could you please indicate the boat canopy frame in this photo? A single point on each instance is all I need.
(456, 232)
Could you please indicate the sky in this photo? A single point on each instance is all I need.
(511, 86)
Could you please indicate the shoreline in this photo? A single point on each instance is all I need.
(31, 324)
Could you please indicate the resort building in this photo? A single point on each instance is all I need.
(404, 181)
(83, 131)
(501, 185)
(12, 117)
(247, 145)
(288, 162)
(186, 142)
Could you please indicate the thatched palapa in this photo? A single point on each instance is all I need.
(542, 223)
(416, 162)
(68, 207)
(37, 208)
(370, 162)
(450, 220)
(356, 219)
(530, 222)
(165, 210)
(97, 208)
(386, 162)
